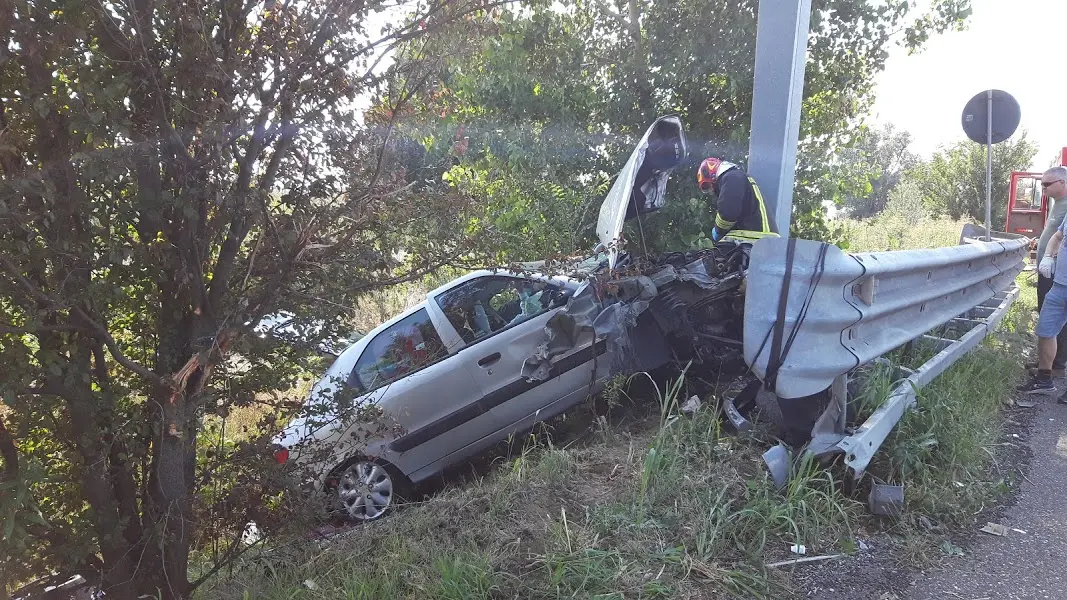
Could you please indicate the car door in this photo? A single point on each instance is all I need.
(428, 395)
(501, 319)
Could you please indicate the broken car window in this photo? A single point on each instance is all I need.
(484, 306)
(406, 347)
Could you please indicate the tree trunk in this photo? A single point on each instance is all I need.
(96, 483)
(170, 486)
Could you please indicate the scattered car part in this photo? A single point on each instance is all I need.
(886, 500)
(777, 460)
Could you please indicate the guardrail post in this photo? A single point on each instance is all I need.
(829, 429)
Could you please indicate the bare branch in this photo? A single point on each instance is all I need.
(8, 329)
(232, 552)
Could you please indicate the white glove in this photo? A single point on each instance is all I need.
(1046, 266)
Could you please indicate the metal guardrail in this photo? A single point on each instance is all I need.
(859, 448)
(835, 311)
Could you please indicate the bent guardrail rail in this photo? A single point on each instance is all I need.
(814, 312)
(860, 446)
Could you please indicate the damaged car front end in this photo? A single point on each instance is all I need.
(653, 310)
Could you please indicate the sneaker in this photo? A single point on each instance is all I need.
(1037, 386)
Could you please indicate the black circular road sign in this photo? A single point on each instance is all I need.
(1006, 116)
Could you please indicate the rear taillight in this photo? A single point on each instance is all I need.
(281, 455)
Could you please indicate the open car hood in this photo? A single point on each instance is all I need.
(641, 186)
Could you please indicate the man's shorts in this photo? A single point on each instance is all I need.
(1053, 315)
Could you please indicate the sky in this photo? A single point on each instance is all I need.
(1018, 46)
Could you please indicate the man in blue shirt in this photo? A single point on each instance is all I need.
(1053, 314)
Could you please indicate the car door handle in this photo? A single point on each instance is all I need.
(489, 360)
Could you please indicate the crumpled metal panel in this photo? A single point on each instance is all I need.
(613, 211)
(860, 306)
(562, 332)
(584, 312)
(632, 345)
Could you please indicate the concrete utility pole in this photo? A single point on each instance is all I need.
(778, 89)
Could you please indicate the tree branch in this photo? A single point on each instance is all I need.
(9, 453)
(95, 329)
(8, 329)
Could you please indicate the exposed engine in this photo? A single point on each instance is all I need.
(680, 306)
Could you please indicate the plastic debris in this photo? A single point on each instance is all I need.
(310, 584)
(864, 546)
(798, 549)
(1018, 530)
(994, 529)
(951, 549)
(1025, 403)
(691, 406)
(777, 461)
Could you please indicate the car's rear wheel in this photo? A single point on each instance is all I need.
(366, 490)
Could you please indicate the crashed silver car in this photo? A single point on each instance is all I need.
(493, 353)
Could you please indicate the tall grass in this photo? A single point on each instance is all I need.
(658, 516)
(904, 224)
(899, 232)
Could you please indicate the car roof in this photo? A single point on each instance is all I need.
(362, 342)
(490, 272)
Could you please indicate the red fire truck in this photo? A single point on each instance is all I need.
(1028, 205)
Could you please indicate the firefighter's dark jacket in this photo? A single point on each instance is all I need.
(740, 205)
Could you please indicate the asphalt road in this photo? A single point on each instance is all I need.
(1031, 561)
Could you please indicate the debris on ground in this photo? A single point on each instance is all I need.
(777, 460)
(951, 549)
(798, 549)
(1025, 403)
(994, 529)
(691, 406)
(807, 559)
(886, 500)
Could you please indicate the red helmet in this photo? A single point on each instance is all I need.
(707, 174)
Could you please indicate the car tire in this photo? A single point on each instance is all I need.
(365, 489)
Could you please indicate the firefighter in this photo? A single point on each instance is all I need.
(741, 215)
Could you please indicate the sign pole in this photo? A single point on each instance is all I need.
(988, 164)
(1006, 115)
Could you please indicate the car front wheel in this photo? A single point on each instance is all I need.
(366, 490)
